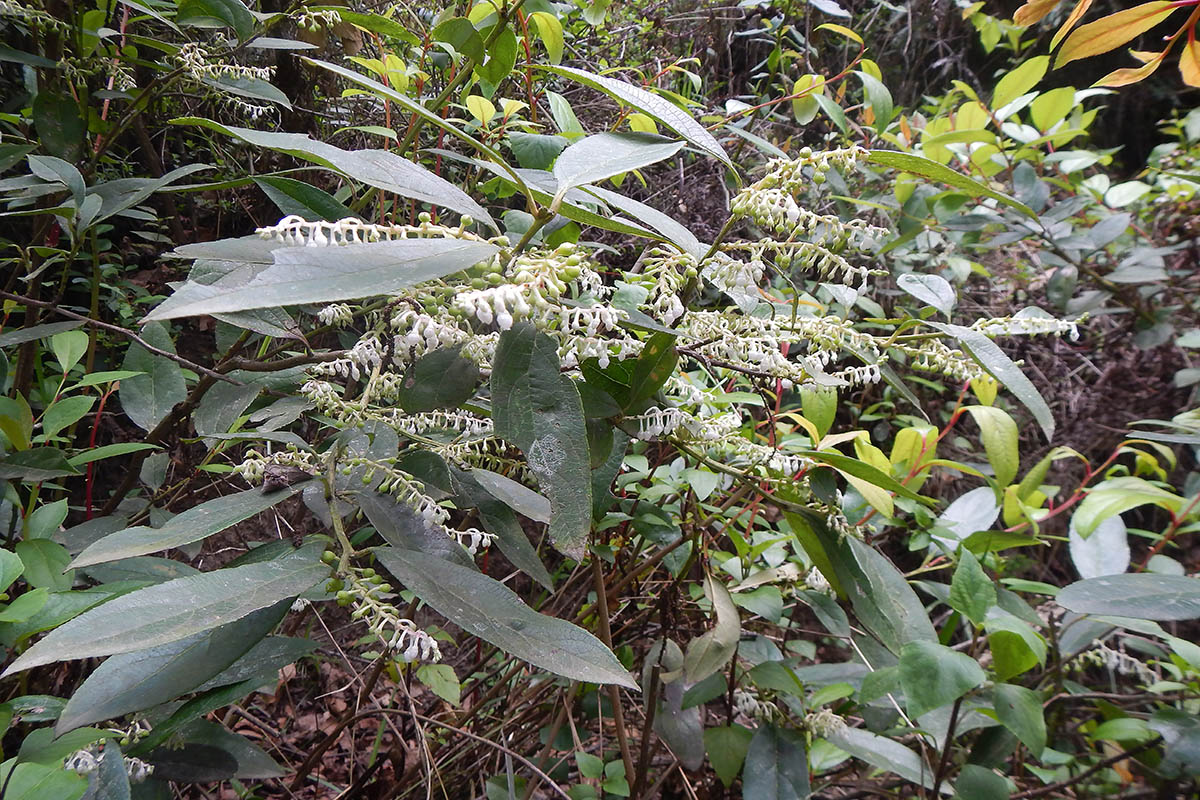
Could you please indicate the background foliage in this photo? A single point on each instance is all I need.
(598, 400)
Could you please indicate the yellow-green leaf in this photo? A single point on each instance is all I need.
(481, 109)
(1019, 81)
(550, 29)
(999, 441)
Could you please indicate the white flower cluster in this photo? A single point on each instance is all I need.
(472, 539)
(490, 453)
(364, 358)
(312, 20)
(295, 231)
(201, 65)
(824, 723)
(408, 490)
(655, 423)
(460, 421)
(934, 355)
(84, 762)
(1101, 655)
(418, 332)
(575, 350)
(1023, 324)
(738, 279)
(337, 315)
(814, 579)
(664, 275)
(747, 704)
(754, 345)
(254, 465)
(366, 591)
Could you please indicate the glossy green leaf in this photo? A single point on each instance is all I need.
(711, 650)
(112, 776)
(933, 290)
(498, 518)
(1019, 80)
(35, 465)
(603, 155)
(149, 397)
(883, 753)
(490, 610)
(203, 13)
(516, 496)
(776, 765)
(933, 676)
(176, 609)
(972, 592)
(654, 365)
(502, 56)
(45, 563)
(460, 34)
(65, 413)
(379, 168)
(198, 522)
(59, 126)
(1104, 552)
(727, 746)
(651, 217)
(917, 165)
(999, 433)
(1020, 710)
(296, 197)
(539, 410)
(1115, 496)
(440, 379)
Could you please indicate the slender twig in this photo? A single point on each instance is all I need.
(614, 693)
(1055, 788)
(29, 301)
(431, 721)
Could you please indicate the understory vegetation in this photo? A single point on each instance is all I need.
(587, 400)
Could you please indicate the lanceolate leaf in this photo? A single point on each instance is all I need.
(379, 168)
(413, 107)
(886, 754)
(1143, 595)
(680, 236)
(145, 678)
(176, 609)
(490, 610)
(192, 525)
(539, 411)
(325, 274)
(918, 165)
(708, 652)
(662, 110)
(1002, 368)
(606, 154)
(1112, 31)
